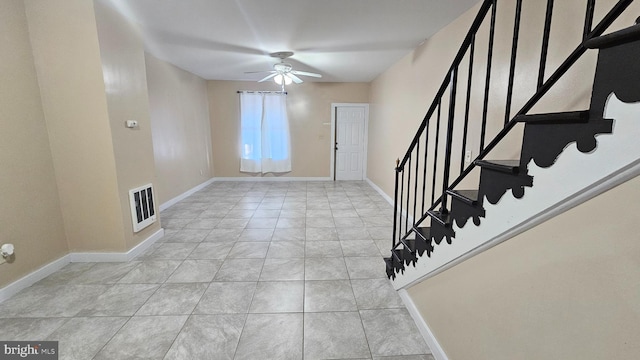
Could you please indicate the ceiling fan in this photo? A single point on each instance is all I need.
(283, 73)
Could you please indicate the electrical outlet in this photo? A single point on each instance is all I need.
(6, 251)
(131, 124)
(467, 156)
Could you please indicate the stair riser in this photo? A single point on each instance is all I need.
(494, 184)
(556, 137)
(423, 242)
(461, 212)
(409, 256)
(618, 71)
(440, 232)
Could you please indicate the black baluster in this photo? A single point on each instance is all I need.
(468, 104)
(485, 108)
(512, 66)
(424, 172)
(395, 207)
(435, 154)
(449, 144)
(545, 43)
(588, 18)
(408, 196)
(415, 182)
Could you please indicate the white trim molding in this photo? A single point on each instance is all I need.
(379, 190)
(116, 256)
(436, 350)
(50, 268)
(33, 277)
(270, 179)
(185, 194)
(145, 244)
(388, 198)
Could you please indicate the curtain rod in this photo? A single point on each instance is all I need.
(261, 92)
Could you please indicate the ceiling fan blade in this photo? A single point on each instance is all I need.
(259, 72)
(295, 79)
(268, 77)
(305, 73)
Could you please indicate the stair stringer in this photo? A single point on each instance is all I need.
(574, 178)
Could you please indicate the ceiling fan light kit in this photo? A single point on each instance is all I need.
(280, 78)
(283, 73)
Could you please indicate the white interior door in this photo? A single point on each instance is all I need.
(350, 125)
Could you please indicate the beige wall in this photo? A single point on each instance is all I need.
(125, 85)
(67, 62)
(30, 215)
(309, 110)
(401, 96)
(70, 82)
(180, 126)
(567, 289)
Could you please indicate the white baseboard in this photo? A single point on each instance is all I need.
(436, 350)
(185, 194)
(115, 256)
(272, 178)
(80, 257)
(145, 244)
(48, 269)
(379, 190)
(33, 277)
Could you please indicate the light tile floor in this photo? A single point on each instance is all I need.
(246, 270)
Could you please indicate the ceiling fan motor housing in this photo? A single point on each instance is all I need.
(282, 67)
(283, 72)
(281, 54)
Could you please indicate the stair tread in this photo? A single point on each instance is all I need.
(632, 33)
(554, 118)
(398, 257)
(443, 219)
(424, 232)
(467, 196)
(506, 166)
(409, 244)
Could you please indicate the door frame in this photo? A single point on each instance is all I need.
(334, 108)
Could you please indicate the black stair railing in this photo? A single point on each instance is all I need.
(423, 175)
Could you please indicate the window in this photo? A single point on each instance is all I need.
(264, 128)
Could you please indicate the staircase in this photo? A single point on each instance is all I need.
(563, 156)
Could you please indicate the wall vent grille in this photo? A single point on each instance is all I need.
(143, 211)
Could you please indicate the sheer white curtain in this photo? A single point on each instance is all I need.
(265, 141)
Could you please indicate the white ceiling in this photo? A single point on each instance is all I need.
(344, 40)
